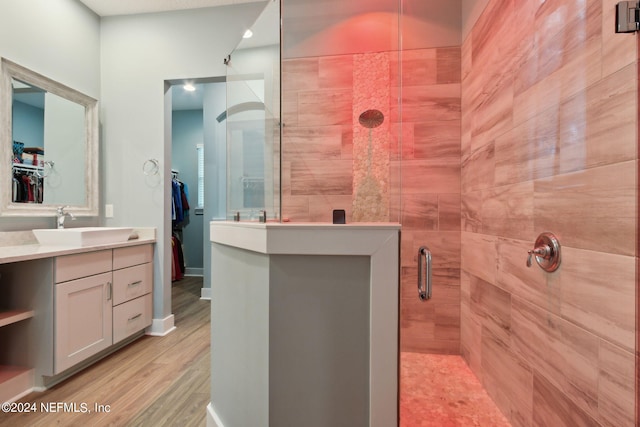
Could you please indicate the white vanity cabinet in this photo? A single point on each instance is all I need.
(101, 298)
(132, 284)
(83, 307)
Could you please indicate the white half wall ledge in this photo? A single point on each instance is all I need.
(161, 327)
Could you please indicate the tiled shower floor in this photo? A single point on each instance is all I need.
(441, 391)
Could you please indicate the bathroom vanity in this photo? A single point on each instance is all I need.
(304, 324)
(63, 307)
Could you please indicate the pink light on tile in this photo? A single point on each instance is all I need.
(371, 145)
(441, 391)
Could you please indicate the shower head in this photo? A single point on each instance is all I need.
(371, 119)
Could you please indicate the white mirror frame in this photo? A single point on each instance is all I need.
(9, 71)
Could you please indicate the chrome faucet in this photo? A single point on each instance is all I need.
(61, 215)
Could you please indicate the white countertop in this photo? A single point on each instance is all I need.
(20, 246)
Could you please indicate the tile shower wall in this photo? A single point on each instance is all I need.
(324, 153)
(549, 143)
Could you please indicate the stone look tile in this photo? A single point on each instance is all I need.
(560, 351)
(549, 135)
(312, 143)
(616, 386)
(552, 408)
(597, 292)
(507, 379)
(479, 256)
(322, 177)
(578, 207)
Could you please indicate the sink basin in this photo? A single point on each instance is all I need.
(82, 236)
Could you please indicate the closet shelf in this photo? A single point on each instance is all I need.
(13, 316)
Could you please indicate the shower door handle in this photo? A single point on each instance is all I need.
(424, 273)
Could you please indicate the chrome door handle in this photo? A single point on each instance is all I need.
(424, 285)
(109, 291)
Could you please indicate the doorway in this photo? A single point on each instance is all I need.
(198, 164)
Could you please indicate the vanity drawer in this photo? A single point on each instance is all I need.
(132, 255)
(132, 282)
(131, 317)
(69, 267)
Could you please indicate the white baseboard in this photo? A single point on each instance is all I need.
(205, 293)
(212, 418)
(161, 327)
(193, 271)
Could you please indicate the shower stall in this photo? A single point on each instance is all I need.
(477, 125)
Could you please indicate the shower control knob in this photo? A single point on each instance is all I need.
(546, 252)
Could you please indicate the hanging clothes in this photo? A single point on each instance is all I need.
(177, 259)
(27, 186)
(179, 201)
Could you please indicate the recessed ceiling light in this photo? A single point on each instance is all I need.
(189, 87)
(247, 34)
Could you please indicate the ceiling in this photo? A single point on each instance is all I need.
(129, 7)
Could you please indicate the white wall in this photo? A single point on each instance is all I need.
(57, 38)
(138, 54)
(61, 40)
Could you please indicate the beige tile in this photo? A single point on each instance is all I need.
(419, 67)
(435, 140)
(598, 293)
(430, 176)
(478, 169)
(347, 142)
(566, 82)
(321, 177)
(507, 379)
(335, 72)
(479, 256)
(551, 407)
(408, 257)
(300, 74)
(325, 107)
(289, 108)
(471, 339)
(449, 65)
(465, 59)
(593, 209)
(295, 208)
(612, 118)
(471, 211)
(312, 143)
(401, 141)
(507, 211)
(492, 306)
(437, 102)
(449, 212)
(420, 212)
(558, 45)
(563, 353)
(616, 387)
(618, 50)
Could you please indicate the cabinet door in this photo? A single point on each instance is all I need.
(83, 318)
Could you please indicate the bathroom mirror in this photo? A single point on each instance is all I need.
(49, 146)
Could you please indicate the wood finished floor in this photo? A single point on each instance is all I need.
(154, 381)
(164, 381)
